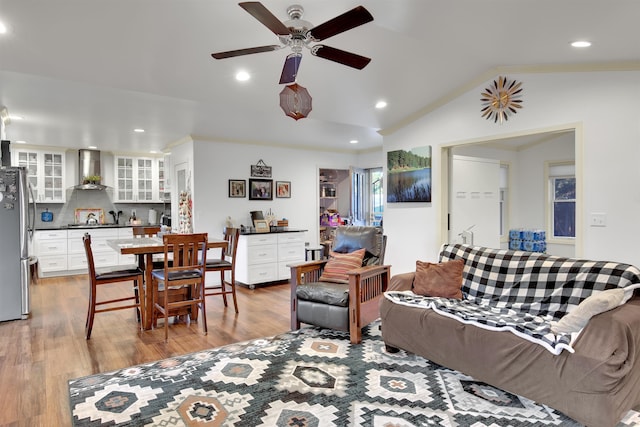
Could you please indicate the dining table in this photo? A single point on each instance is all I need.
(145, 248)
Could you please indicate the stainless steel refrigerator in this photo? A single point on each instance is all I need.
(17, 217)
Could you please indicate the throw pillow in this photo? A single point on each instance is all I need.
(339, 264)
(439, 280)
(598, 303)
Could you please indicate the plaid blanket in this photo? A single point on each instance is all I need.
(523, 292)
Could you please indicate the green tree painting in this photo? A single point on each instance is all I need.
(409, 175)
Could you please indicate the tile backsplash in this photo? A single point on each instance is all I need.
(64, 214)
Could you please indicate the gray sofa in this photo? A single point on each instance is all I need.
(596, 384)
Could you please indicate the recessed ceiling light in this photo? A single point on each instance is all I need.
(581, 43)
(353, 141)
(139, 130)
(381, 104)
(242, 76)
(3, 28)
(20, 142)
(153, 152)
(92, 147)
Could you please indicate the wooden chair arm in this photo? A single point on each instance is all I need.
(369, 282)
(321, 262)
(366, 288)
(306, 272)
(369, 270)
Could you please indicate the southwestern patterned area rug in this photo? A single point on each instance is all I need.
(311, 377)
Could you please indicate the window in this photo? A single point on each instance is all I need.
(366, 196)
(377, 205)
(562, 192)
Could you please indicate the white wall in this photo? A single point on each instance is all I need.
(371, 159)
(217, 162)
(601, 105)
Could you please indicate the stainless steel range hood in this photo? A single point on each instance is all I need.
(88, 169)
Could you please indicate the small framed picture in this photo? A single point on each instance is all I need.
(260, 189)
(261, 225)
(283, 189)
(237, 188)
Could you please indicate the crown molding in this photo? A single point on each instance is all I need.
(514, 69)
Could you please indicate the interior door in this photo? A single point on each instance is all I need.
(474, 202)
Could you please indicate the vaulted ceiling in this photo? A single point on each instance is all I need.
(87, 73)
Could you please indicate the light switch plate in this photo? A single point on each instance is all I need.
(598, 220)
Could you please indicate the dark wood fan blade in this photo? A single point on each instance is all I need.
(262, 14)
(290, 69)
(348, 20)
(249, 51)
(340, 56)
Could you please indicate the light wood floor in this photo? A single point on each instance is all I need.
(39, 355)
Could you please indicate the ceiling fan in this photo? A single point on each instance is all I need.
(297, 33)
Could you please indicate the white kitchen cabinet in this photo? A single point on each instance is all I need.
(164, 183)
(137, 179)
(103, 254)
(262, 258)
(46, 173)
(50, 246)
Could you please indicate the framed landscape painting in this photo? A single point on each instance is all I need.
(409, 175)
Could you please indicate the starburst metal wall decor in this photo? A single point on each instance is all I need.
(501, 99)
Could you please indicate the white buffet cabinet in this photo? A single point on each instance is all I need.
(263, 258)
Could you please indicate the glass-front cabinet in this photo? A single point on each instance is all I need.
(45, 171)
(163, 181)
(138, 179)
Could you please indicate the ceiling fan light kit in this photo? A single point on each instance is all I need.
(295, 101)
(501, 99)
(297, 34)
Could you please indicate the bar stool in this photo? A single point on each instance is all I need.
(96, 279)
(185, 257)
(226, 262)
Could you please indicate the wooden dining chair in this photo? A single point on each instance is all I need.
(226, 263)
(149, 231)
(146, 230)
(113, 276)
(185, 257)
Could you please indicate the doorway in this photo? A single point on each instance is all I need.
(525, 199)
(351, 196)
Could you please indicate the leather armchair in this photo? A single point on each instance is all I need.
(343, 306)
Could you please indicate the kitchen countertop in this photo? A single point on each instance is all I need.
(85, 226)
(284, 230)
